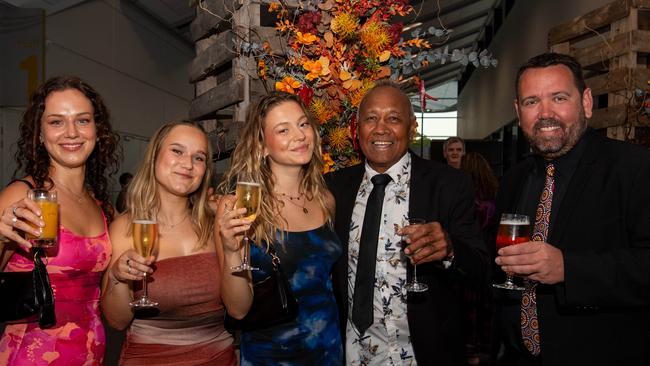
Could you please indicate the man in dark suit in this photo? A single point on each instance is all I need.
(587, 270)
(448, 248)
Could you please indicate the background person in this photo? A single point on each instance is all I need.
(280, 146)
(170, 187)
(120, 202)
(478, 301)
(66, 144)
(453, 149)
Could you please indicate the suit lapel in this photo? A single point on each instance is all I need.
(574, 190)
(346, 201)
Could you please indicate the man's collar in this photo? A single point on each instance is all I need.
(394, 171)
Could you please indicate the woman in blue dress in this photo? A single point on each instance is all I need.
(280, 148)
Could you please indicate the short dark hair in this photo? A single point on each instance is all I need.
(552, 59)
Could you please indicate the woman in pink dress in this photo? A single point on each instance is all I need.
(171, 188)
(66, 144)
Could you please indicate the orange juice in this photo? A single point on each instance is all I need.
(50, 214)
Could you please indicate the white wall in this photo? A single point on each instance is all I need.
(138, 66)
(486, 102)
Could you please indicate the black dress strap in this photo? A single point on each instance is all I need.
(29, 184)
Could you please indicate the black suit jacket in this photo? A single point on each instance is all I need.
(600, 315)
(437, 193)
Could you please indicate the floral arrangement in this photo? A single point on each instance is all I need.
(336, 50)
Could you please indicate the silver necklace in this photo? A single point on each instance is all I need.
(80, 197)
(172, 226)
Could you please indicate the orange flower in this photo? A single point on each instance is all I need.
(288, 84)
(306, 38)
(345, 25)
(329, 163)
(261, 69)
(375, 37)
(273, 7)
(316, 68)
(339, 138)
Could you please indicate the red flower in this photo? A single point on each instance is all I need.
(306, 93)
(395, 31)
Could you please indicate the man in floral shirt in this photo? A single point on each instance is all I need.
(406, 328)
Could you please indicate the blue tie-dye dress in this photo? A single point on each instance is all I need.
(313, 338)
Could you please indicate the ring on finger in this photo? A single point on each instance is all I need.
(13, 211)
(128, 269)
(14, 220)
(128, 262)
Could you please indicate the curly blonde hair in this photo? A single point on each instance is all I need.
(249, 157)
(143, 201)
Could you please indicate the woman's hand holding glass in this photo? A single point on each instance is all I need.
(131, 266)
(233, 225)
(23, 216)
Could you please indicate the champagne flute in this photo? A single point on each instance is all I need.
(414, 285)
(249, 195)
(145, 239)
(513, 229)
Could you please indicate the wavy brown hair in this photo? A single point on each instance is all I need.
(249, 157)
(484, 181)
(33, 159)
(143, 200)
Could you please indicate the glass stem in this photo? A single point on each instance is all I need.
(144, 286)
(415, 273)
(509, 279)
(247, 249)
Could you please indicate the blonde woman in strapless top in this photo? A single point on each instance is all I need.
(171, 188)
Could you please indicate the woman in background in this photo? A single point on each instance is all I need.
(66, 144)
(479, 301)
(280, 147)
(171, 188)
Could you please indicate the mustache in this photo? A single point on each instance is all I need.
(547, 122)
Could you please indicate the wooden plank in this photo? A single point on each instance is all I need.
(216, 17)
(268, 34)
(219, 53)
(586, 23)
(619, 79)
(634, 41)
(222, 137)
(223, 95)
(608, 117)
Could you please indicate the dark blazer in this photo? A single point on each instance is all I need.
(437, 193)
(600, 315)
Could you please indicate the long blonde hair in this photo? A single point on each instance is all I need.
(249, 157)
(143, 201)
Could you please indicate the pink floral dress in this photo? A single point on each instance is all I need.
(75, 267)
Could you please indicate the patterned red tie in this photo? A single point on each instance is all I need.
(529, 323)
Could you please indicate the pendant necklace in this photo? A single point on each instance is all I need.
(297, 198)
(80, 197)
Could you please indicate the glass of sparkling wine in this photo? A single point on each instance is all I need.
(513, 229)
(145, 239)
(414, 285)
(249, 195)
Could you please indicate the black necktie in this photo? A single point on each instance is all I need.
(364, 284)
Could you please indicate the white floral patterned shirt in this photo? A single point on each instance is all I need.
(387, 341)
